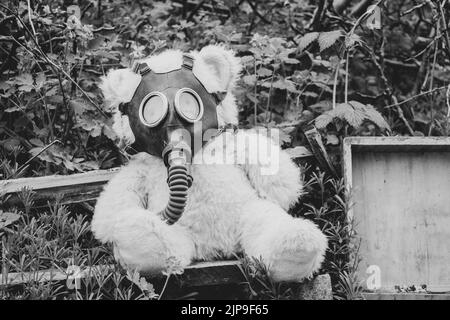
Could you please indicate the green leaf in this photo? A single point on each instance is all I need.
(90, 165)
(311, 94)
(354, 116)
(351, 40)
(249, 79)
(323, 121)
(371, 114)
(282, 84)
(40, 80)
(36, 142)
(247, 60)
(96, 131)
(264, 72)
(321, 106)
(41, 133)
(252, 97)
(306, 40)
(298, 152)
(8, 218)
(79, 106)
(353, 113)
(107, 131)
(25, 82)
(285, 137)
(10, 144)
(12, 109)
(291, 61)
(4, 86)
(332, 139)
(327, 39)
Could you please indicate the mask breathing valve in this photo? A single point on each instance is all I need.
(179, 181)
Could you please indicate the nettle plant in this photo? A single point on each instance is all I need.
(338, 120)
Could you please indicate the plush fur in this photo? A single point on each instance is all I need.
(231, 207)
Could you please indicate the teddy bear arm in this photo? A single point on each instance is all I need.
(276, 177)
(141, 239)
(125, 191)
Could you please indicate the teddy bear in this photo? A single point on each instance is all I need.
(224, 207)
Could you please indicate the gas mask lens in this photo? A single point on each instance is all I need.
(153, 109)
(189, 105)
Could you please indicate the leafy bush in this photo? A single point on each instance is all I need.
(299, 63)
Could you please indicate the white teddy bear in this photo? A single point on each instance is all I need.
(230, 207)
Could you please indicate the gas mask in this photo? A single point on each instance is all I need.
(167, 114)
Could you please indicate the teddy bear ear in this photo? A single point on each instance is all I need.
(223, 64)
(118, 86)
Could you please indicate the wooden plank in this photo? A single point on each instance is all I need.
(406, 296)
(197, 274)
(347, 172)
(397, 141)
(383, 144)
(20, 278)
(212, 273)
(200, 273)
(315, 141)
(75, 188)
(56, 181)
(400, 189)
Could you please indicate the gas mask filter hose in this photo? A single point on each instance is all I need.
(179, 180)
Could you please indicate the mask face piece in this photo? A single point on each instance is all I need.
(167, 102)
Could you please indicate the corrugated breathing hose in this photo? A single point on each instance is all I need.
(179, 181)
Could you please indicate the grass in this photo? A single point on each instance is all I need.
(60, 239)
(326, 202)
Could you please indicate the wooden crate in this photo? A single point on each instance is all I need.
(400, 194)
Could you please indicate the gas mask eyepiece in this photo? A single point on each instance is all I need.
(154, 107)
(189, 105)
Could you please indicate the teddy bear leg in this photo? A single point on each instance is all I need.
(144, 242)
(292, 248)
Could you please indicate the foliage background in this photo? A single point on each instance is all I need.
(296, 54)
(306, 63)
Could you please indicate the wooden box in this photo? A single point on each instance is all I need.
(400, 195)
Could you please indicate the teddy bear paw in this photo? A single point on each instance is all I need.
(299, 252)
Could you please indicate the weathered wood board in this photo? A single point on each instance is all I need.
(75, 188)
(200, 273)
(406, 296)
(197, 274)
(400, 190)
